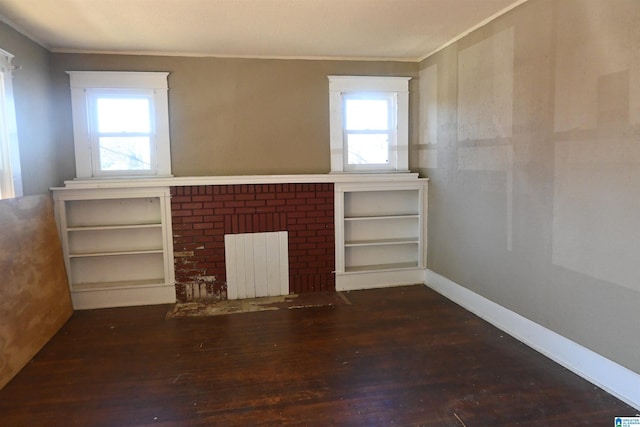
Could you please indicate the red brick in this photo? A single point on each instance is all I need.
(213, 205)
(181, 212)
(318, 252)
(315, 213)
(326, 207)
(267, 209)
(281, 195)
(298, 228)
(180, 226)
(192, 205)
(245, 196)
(306, 195)
(325, 194)
(203, 212)
(325, 245)
(214, 218)
(296, 214)
(201, 198)
(214, 231)
(265, 196)
(234, 204)
(192, 232)
(223, 211)
(192, 219)
(305, 208)
(244, 210)
(180, 199)
(202, 225)
(288, 208)
(296, 201)
(317, 239)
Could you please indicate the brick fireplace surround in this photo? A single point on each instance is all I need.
(203, 214)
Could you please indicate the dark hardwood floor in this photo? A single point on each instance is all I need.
(399, 356)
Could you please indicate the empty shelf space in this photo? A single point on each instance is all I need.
(382, 242)
(380, 217)
(115, 227)
(115, 253)
(380, 267)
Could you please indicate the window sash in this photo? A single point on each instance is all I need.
(388, 128)
(97, 138)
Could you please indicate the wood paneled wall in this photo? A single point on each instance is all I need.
(34, 294)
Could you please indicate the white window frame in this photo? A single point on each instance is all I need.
(10, 170)
(86, 86)
(396, 89)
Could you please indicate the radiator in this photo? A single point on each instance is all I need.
(257, 264)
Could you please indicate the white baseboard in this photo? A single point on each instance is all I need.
(378, 279)
(615, 379)
(123, 297)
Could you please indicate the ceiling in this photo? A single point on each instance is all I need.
(406, 30)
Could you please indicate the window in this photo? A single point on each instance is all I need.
(369, 123)
(10, 175)
(121, 124)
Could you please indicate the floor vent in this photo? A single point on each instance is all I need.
(257, 264)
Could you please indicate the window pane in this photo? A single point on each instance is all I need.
(366, 149)
(125, 153)
(367, 114)
(123, 115)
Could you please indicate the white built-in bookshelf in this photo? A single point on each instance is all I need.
(117, 246)
(380, 233)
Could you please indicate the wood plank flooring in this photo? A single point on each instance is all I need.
(398, 356)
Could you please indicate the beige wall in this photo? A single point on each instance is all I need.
(233, 116)
(530, 132)
(33, 102)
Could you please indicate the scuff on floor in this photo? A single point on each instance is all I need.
(290, 302)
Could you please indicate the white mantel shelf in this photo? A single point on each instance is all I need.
(85, 184)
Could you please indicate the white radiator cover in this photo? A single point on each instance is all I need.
(257, 264)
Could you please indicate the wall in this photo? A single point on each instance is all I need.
(202, 215)
(530, 133)
(33, 102)
(232, 116)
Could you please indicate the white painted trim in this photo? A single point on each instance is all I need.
(398, 90)
(85, 84)
(124, 297)
(10, 167)
(368, 83)
(83, 184)
(378, 279)
(615, 379)
(118, 79)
